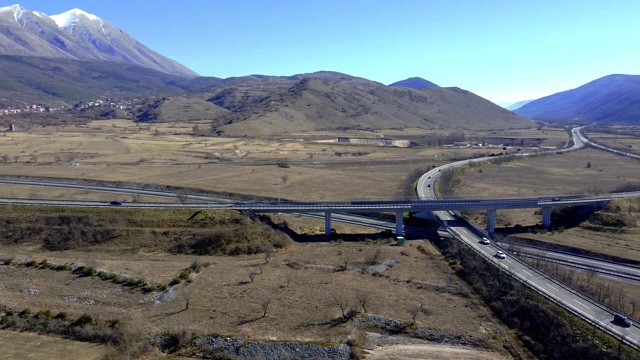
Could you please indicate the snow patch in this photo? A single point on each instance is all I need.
(68, 18)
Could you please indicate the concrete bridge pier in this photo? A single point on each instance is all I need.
(399, 224)
(327, 224)
(546, 216)
(491, 221)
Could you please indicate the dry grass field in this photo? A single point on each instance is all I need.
(20, 345)
(300, 282)
(168, 154)
(623, 142)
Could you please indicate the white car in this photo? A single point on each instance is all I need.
(485, 241)
(501, 255)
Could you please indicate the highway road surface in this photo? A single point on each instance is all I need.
(579, 304)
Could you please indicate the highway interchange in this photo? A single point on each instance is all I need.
(576, 302)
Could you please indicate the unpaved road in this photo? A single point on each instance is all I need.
(432, 352)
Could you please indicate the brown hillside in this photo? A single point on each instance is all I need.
(179, 109)
(315, 104)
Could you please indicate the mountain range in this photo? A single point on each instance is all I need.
(612, 99)
(268, 106)
(76, 35)
(76, 56)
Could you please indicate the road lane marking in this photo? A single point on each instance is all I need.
(579, 303)
(525, 271)
(553, 287)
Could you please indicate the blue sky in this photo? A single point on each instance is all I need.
(504, 51)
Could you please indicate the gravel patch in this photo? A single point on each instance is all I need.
(70, 298)
(381, 269)
(159, 298)
(327, 268)
(422, 332)
(274, 350)
(31, 291)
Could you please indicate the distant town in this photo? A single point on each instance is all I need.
(122, 104)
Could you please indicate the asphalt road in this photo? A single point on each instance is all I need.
(579, 304)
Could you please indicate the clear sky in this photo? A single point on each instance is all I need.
(502, 50)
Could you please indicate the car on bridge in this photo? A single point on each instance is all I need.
(621, 320)
(501, 255)
(115, 203)
(485, 241)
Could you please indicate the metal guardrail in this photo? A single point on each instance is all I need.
(554, 298)
(578, 265)
(547, 276)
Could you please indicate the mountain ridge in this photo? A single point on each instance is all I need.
(613, 98)
(77, 35)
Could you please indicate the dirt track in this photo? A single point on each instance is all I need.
(424, 351)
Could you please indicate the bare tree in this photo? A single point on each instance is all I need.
(342, 303)
(375, 258)
(268, 251)
(363, 300)
(284, 179)
(186, 294)
(5, 157)
(414, 311)
(288, 279)
(345, 264)
(252, 274)
(264, 305)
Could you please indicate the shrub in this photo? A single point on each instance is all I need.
(61, 316)
(84, 319)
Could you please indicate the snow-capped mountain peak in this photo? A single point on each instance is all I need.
(69, 18)
(76, 34)
(17, 11)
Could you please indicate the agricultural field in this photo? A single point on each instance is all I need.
(168, 154)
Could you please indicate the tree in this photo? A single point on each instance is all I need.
(268, 251)
(589, 165)
(5, 157)
(342, 302)
(264, 305)
(284, 179)
(363, 300)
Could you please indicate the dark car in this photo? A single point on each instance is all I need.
(555, 199)
(621, 320)
(115, 203)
